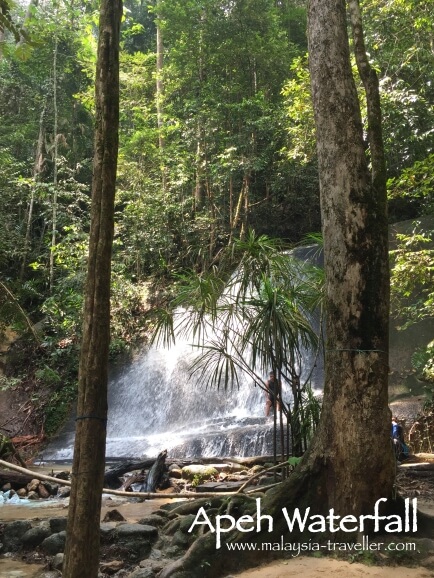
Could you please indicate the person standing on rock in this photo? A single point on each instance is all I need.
(272, 393)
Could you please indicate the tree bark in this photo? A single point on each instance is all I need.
(355, 416)
(55, 166)
(82, 543)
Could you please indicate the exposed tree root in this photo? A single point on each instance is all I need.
(306, 488)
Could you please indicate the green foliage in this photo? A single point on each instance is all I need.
(299, 122)
(58, 408)
(414, 187)
(412, 268)
(294, 461)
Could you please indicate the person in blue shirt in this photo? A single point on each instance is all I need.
(400, 447)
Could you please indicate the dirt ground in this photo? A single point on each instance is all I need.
(325, 567)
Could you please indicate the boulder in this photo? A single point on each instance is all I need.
(36, 535)
(57, 524)
(43, 492)
(32, 495)
(106, 530)
(201, 472)
(51, 488)
(12, 534)
(57, 561)
(64, 492)
(152, 520)
(33, 485)
(127, 531)
(54, 544)
(113, 516)
(135, 539)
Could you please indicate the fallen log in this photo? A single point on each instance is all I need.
(111, 476)
(425, 457)
(417, 466)
(16, 479)
(146, 495)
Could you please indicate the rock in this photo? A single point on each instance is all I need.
(36, 535)
(43, 492)
(135, 531)
(155, 565)
(32, 486)
(6, 487)
(64, 492)
(62, 476)
(32, 495)
(113, 516)
(54, 544)
(111, 567)
(22, 492)
(174, 467)
(57, 524)
(199, 471)
(12, 534)
(181, 539)
(107, 529)
(219, 486)
(256, 469)
(176, 473)
(174, 551)
(142, 573)
(134, 539)
(156, 554)
(52, 489)
(57, 561)
(152, 520)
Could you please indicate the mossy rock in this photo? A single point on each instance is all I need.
(199, 472)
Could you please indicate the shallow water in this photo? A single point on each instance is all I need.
(16, 569)
(54, 508)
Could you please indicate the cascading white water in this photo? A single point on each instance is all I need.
(154, 404)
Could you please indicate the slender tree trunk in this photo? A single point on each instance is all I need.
(82, 543)
(160, 96)
(2, 38)
(37, 170)
(55, 168)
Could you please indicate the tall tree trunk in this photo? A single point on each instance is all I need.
(2, 39)
(355, 413)
(160, 96)
(55, 167)
(82, 543)
(37, 170)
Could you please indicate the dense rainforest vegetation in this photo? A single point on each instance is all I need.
(216, 139)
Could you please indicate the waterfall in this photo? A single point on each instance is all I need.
(155, 404)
